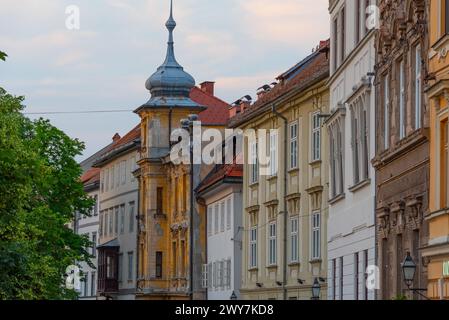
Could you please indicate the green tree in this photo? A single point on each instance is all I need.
(39, 192)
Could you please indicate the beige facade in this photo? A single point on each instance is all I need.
(297, 215)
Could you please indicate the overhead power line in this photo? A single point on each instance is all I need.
(76, 112)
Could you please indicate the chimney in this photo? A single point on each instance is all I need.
(116, 137)
(234, 110)
(244, 105)
(208, 87)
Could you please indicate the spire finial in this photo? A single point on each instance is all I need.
(171, 25)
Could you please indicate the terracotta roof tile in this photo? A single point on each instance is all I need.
(313, 67)
(217, 112)
(91, 176)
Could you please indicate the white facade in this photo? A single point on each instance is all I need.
(222, 274)
(118, 211)
(351, 127)
(88, 226)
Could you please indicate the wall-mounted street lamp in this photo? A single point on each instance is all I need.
(408, 271)
(316, 290)
(233, 296)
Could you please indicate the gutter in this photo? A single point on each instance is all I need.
(285, 213)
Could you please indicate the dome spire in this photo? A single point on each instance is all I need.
(170, 59)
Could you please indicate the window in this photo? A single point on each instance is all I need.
(122, 219)
(215, 278)
(159, 265)
(334, 275)
(253, 248)
(131, 217)
(341, 278)
(159, 201)
(401, 100)
(254, 163)
(222, 216)
(101, 224)
(359, 139)
(418, 87)
(228, 213)
(343, 34)
(123, 171)
(120, 267)
(446, 16)
(110, 268)
(106, 173)
(112, 179)
(273, 152)
(209, 275)
(358, 17)
(209, 220)
(111, 213)
(386, 112)
(117, 175)
(133, 167)
(130, 265)
(184, 193)
(316, 137)
(93, 291)
(183, 258)
(86, 284)
(228, 273)
(444, 165)
(175, 259)
(316, 235)
(94, 244)
(204, 274)
(356, 276)
(102, 183)
(116, 221)
(335, 44)
(272, 244)
(217, 215)
(95, 205)
(294, 239)
(365, 266)
(293, 145)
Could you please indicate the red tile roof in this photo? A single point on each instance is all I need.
(221, 172)
(217, 112)
(309, 71)
(91, 176)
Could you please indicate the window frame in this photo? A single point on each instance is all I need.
(294, 239)
(253, 257)
(272, 243)
(315, 136)
(316, 235)
(293, 145)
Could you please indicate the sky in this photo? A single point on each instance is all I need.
(239, 44)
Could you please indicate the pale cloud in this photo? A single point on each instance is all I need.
(219, 45)
(71, 58)
(286, 21)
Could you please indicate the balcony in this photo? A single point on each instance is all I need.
(108, 267)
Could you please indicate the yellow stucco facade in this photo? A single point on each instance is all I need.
(437, 250)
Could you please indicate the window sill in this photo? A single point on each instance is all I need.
(316, 260)
(337, 198)
(360, 185)
(294, 264)
(253, 269)
(293, 170)
(315, 162)
(272, 267)
(254, 184)
(272, 177)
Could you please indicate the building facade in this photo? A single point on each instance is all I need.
(118, 195)
(402, 143)
(172, 233)
(88, 227)
(351, 132)
(221, 194)
(437, 250)
(285, 200)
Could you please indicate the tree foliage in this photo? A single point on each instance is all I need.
(39, 193)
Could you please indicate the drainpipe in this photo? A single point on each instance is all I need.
(284, 271)
(138, 231)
